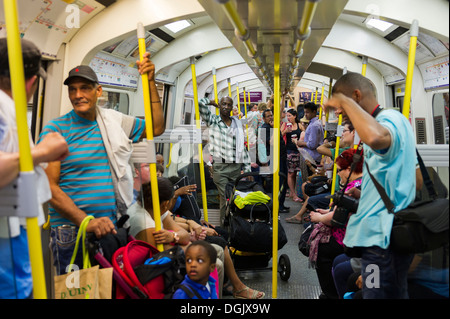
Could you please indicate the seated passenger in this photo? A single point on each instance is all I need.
(327, 240)
(200, 263)
(141, 223)
(328, 150)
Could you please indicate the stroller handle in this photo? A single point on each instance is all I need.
(282, 175)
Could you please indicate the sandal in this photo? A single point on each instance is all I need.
(254, 295)
(293, 220)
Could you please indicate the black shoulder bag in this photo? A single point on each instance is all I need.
(423, 225)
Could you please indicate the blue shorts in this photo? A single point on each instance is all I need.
(15, 268)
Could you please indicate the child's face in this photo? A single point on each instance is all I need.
(198, 264)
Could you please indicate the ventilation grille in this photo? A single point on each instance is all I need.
(439, 137)
(421, 136)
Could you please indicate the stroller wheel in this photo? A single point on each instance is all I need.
(284, 267)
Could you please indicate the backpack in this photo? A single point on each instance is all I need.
(303, 244)
(316, 188)
(168, 264)
(125, 259)
(189, 206)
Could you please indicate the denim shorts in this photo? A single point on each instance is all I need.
(62, 243)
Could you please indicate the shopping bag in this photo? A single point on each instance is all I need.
(87, 283)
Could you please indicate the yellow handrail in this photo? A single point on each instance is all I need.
(336, 154)
(321, 101)
(170, 156)
(303, 31)
(216, 98)
(276, 169)
(414, 32)
(246, 117)
(238, 99)
(25, 160)
(149, 131)
(242, 31)
(364, 65)
(200, 148)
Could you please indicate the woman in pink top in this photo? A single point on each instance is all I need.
(326, 240)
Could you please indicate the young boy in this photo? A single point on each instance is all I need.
(200, 262)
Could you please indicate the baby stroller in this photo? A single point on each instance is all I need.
(249, 221)
(140, 271)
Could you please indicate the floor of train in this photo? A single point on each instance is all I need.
(302, 283)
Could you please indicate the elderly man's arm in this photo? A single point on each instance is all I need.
(147, 66)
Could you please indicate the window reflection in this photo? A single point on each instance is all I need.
(440, 118)
(118, 101)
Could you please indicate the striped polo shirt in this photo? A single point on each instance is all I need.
(85, 174)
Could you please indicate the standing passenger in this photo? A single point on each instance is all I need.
(95, 179)
(293, 156)
(314, 132)
(15, 270)
(226, 140)
(389, 151)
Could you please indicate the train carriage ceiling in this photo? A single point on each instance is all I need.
(268, 23)
(272, 23)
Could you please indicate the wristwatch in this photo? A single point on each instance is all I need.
(176, 238)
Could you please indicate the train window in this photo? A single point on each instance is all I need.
(118, 101)
(188, 112)
(440, 117)
(399, 103)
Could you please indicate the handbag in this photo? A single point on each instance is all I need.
(255, 235)
(87, 283)
(303, 244)
(423, 225)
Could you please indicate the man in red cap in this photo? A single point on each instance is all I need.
(96, 178)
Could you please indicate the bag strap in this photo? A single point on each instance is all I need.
(426, 177)
(81, 235)
(268, 210)
(190, 291)
(387, 202)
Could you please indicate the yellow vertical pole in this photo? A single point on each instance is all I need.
(321, 101)
(246, 117)
(315, 96)
(216, 98)
(245, 101)
(238, 99)
(229, 87)
(149, 131)
(327, 115)
(25, 160)
(276, 169)
(336, 154)
(364, 65)
(414, 32)
(200, 147)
